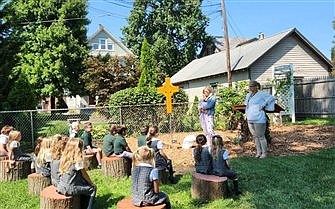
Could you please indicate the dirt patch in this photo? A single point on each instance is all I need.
(286, 140)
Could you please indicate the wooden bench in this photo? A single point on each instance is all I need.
(37, 182)
(208, 187)
(11, 172)
(115, 166)
(50, 199)
(127, 204)
(90, 162)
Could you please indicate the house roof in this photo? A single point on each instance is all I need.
(115, 40)
(242, 57)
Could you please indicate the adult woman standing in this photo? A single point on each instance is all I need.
(207, 110)
(256, 103)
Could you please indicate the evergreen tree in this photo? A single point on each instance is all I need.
(174, 28)
(148, 75)
(53, 44)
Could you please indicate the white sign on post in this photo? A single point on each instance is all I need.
(283, 89)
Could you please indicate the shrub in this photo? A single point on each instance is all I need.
(191, 121)
(226, 117)
(54, 127)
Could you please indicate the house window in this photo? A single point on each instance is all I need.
(102, 43)
(95, 46)
(110, 46)
(214, 86)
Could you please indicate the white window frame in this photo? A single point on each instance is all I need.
(102, 44)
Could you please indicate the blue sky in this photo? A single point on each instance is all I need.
(246, 18)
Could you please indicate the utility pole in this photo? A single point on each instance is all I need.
(226, 43)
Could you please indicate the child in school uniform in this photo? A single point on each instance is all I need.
(89, 149)
(145, 180)
(161, 159)
(14, 149)
(141, 139)
(108, 141)
(74, 179)
(202, 155)
(4, 139)
(221, 165)
(57, 148)
(121, 148)
(43, 159)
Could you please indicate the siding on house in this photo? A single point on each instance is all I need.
(117, 49)
(194, 88)
(289, 51)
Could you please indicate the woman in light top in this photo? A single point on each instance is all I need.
(257, 102)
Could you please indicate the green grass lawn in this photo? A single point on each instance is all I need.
(302, 181)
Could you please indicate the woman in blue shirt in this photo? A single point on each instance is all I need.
(207, 109)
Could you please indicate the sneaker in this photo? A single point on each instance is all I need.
(99, 167)
(262, 156)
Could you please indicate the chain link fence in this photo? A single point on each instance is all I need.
(35, 123)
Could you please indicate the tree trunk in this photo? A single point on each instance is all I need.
(50, 199)
(90, 162)
(115, 166)
(208, 187)
(127, 204)
(37, 182)
(16, 171)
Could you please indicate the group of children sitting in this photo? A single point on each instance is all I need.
(62, 158)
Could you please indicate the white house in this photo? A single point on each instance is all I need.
(254, 60)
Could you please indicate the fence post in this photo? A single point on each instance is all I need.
(32, 128)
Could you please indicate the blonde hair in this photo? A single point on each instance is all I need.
(72, 154)
(58, 145)
(14, 136)
(217, 145)
(45, 150)
(210, 89)
(75, 125)
(144, 154)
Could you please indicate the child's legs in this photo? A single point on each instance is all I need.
(88, 193)
(126, 154)
(163, 198)
(230, 174)
(97, 152)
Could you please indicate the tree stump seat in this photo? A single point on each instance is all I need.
(11, 172)
(208, 187)
(127, 204)
(115, 166)
(37, 182)
(50, 199)
(90, 161)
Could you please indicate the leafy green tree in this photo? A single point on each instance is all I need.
(148, 75)
(174, 28)
(53, 44)
(106, 75)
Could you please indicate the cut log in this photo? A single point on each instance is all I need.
(208, 187)
(90, 162)
(50, 199)
(127, 204)
(37, 182)
(115, 166)
(16, 171)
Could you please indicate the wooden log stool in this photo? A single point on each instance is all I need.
(208, 187)
(90, 162)
(11, 172)
(37, 182)
(50, 199)
(115, 166)
(127, 204)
